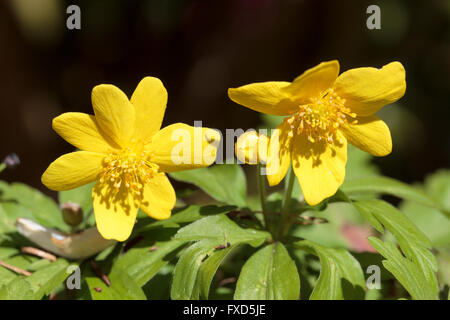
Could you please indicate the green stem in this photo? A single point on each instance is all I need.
(286, 203)
(262, 195)
(2, 166)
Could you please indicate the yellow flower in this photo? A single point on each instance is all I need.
(251, 147)
(124, 150)
(324, 111)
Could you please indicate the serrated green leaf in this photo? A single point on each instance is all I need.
(6, 276)
(404, 270)
(224, 183)
(17, 289)
(413, 243)
(269, 274)
(21, 261)
(341, 276)
(123, 287)
(39, 284)
(397, 223)
(385, 185)
(45, 280)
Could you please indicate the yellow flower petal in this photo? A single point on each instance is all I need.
(149, 100)
(82, 131)
(367, 90)
(319, 167)
(114, 113)
(115, 212)
(73, 170)
(182, 147)
(370, 134)
(159, 197)
(313, 82)
(265, 97)
(279, 158)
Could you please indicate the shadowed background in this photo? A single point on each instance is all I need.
(199, 49)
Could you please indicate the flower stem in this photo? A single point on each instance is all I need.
(286, 204)
(262, 195)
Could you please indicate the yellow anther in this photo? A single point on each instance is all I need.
(320, 119)
(128, 168)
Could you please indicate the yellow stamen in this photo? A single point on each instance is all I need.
(320, 119)
(129, 168)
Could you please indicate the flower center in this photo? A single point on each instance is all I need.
(320, 119)
(128, 168)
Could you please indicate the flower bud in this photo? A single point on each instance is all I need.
(72, 213)
(11, 160)
(251, 148)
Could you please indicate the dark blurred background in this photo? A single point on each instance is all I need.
(199, 49)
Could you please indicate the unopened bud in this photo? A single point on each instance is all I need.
(251, 148)
(11, 160)
(72, 213)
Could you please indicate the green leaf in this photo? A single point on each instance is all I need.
(341, 276)
(269, 274)
(198, 263)
(385, 185)
(6, 276)
(183, 216)
(224, 183)
(47, 279)
(19, 260)
(437, 186)
(221, 229)
(207, 271)
(196, 268)
(123, 287)
(404, 270)
(394, 221)
(18, 289)
(39, 284)
(20, 200)
(6, 252)
(433, 223)
(144, 260)
(413, 243)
